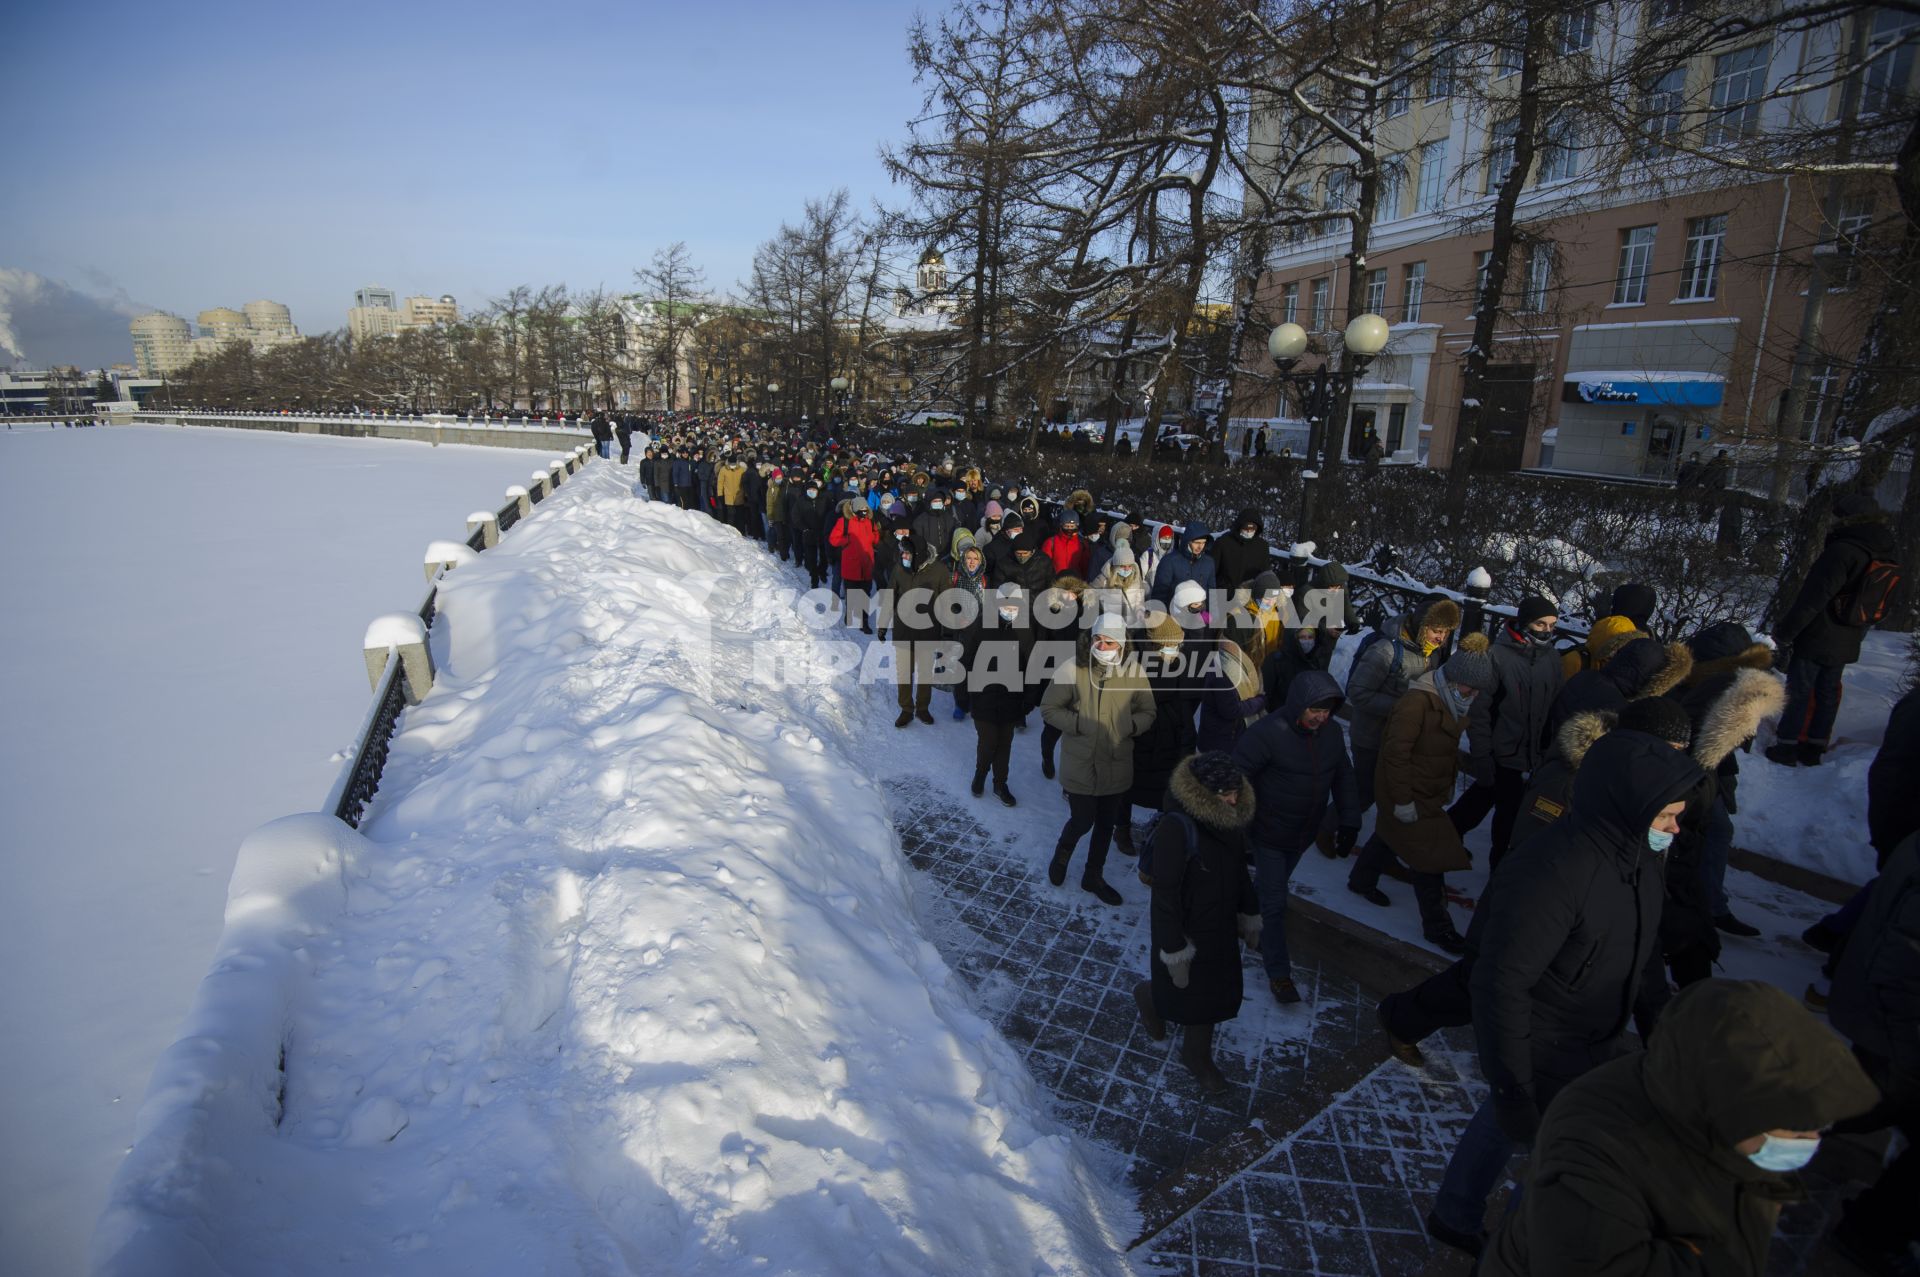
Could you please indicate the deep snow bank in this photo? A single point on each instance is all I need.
(627, 976)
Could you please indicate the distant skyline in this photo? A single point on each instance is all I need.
(209, 155)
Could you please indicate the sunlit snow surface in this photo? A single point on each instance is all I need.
(181, 638)
(627, 976)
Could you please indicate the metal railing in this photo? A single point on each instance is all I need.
(359, 780)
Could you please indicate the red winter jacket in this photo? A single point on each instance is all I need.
(1068, 553)
(856, 539)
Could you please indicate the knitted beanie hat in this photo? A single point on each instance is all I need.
(1470, 666)
(1122, 556)
(1533, 609)
(1165, 631)
(1660, 717)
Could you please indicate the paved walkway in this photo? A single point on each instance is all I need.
(1323, 1157)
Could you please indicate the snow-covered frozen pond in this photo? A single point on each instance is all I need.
(182, 662)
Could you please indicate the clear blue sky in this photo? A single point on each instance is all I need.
(207, 154)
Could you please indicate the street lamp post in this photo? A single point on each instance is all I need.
(840, 387)
(773, 388)
(1321, 388)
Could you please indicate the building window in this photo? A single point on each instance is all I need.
(1575, 33)
(1320, 291)
(1663, 111)
(1661, 12)
(1739, 80)
(1376, 291)
(1507, 60)
(1482, 263)
(1338, 193)
(1290, 304)
(1500, 144)
(1850, 241)
(1440, 75)
(1415, 290)
(1560, 149)
(1400, 88)
(1393, 183)
(1706, 246)
(1539, 279)
(1883, 85)
(1636, 262)
(1823, 386)
(1433, 184)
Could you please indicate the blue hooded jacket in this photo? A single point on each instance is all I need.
(1183, 565)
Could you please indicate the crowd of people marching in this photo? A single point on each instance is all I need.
(1183, 674)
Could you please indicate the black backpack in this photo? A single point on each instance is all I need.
(1870, 598)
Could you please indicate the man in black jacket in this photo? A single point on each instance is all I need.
(1568, 955)
(1893, 800)
(1297, 763)
(1816, 639)
(1241, 553)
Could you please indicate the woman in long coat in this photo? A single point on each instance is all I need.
(1203, 909)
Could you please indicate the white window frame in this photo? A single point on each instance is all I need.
(1739, 84)
(1377, 290)
(1885, 81)
(1635, 266)
(1573, 31)
(1440, 74)
(1502, 137)
(1322, 303)
(1433, 176)
(1665, 118)
(1392, 190)
(1533, 299)
(1560, 149)
(1706, 250)
(1290, 303)
(1413, 291)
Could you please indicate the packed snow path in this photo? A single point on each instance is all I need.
(623, 977)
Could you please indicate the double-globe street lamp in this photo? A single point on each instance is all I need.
(1322, 389)
(837, 419)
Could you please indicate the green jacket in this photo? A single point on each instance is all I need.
(1635, 1171)
(1099, 710)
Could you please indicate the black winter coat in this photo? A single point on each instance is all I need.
(1606, 690)
(995, 658)
(806, 517)
(1288, 661)
(1198, 896)
(1237, 561)
(1876, 1001)
(1162, 747)
(1033, 576)
(1296, 772)
(1809, 627)
(1509, 726)
(1569, 943)
(1893, 797)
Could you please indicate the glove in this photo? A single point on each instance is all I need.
(1179, 965)
(1343, 840)
(1518, 1115)
(1405, 813)
(1249, 924)
(1782, 657)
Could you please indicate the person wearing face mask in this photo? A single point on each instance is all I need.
(1243, 553)
(858, 541)
(805, 514)
(1509, 728)
(1188, 563)
(1154, 553)
(1568, 959)
(991, 522)
(1419, 761)
(1102, 545)
(1025, 566)
(1066, 549)
(773, 512)
(1679, 1159)
(1118, 588)
(1000, 549)
(1099, 704)
(935, 525)
(916, 581)
(994, 652)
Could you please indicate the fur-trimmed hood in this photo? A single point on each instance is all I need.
(1208, 807)
(1736, 714)
(1604, 648)
(1755, 656)
(1643, 667)
(1577, 734)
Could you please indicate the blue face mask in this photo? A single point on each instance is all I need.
(1783, 1154)
(1658, 841)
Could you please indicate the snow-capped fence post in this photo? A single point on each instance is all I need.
(488, 525)
(1300, 556)
(1473, 615)
(558, 469)
(447, 555)
(537, 486)
(405, 634)
(518, 495)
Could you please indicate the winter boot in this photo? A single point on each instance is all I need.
(1046, 763)
(1734, 926)
(1149, 1018)
(1101, 888)
(1372, 895)
(1812, 753)
(1407, 1053)
(906, 716)
(1057, 867)
(925, 715)
(979, 785)
(1471, 1243)
(1446, 937)
(1196, 1052)
(1785, 753)
(1123, 838)
(1005, 796)
(1285, 992)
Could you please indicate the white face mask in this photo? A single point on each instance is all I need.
(936, 506)
(812, 492)
(1009, 613)
(1170, 651)
(1106, 656)
(1270, 600)
(1247, 534)
(1306, 642)
(1783, 1153)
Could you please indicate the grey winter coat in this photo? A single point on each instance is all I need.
(1381, 676)
(1508, 727)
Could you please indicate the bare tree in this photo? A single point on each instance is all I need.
(675, 288)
